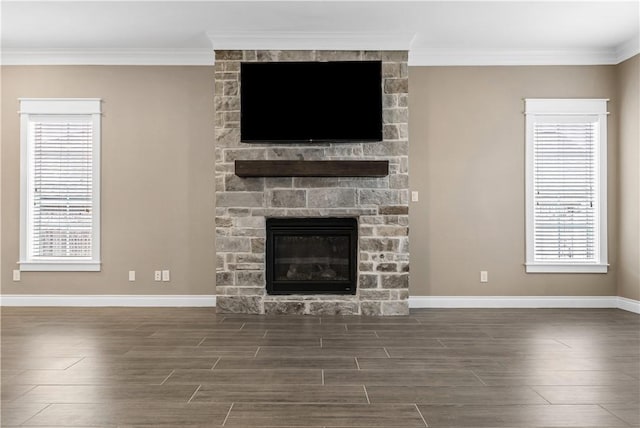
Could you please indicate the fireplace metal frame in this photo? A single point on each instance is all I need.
(335, 226)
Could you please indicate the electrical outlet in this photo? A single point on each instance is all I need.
(157, 275)
(165, 276)
(132, 275)
(16, 275)
(414, 196)
(484, 276)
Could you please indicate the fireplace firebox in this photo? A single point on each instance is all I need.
(311, 255)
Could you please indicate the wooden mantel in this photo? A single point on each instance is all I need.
(301, 168)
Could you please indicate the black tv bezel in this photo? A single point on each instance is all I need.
(314, 140)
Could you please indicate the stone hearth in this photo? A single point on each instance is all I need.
(379, 204)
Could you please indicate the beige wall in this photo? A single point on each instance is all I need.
(157, 177)
(467, 162)
(628, 78)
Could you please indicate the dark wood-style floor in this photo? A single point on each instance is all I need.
(438, 368)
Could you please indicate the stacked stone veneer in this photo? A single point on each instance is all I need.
(380, 204)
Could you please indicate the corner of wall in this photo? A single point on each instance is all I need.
(627, 105)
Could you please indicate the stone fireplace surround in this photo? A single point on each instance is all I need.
(379, 204)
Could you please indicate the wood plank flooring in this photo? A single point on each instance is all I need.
(189, 367)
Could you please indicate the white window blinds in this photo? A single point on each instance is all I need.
(60, 184)
(565, 205)
(62, 187)
(566, 201)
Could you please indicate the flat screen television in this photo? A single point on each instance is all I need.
(310, 101)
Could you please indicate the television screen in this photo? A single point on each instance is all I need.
(311, 101)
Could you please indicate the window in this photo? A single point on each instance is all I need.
(60, 184)
(566, 185)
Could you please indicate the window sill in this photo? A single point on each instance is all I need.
(566, 268)
(60, 266)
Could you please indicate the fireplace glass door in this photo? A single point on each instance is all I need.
(311, 256)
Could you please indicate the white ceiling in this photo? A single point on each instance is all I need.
(435, 32)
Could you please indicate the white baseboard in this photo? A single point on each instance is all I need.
(108, 300)
(525, 302)
(414, 301)
(629, 305)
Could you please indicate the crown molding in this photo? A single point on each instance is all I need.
(291, 40)
(628, 49)
(107, 57)
(497, 57)
(320, 41)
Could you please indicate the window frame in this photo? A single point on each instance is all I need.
(579, 108)
(31, 108)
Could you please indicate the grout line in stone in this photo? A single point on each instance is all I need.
(386, 352)
(216, 363)
(420, 413)
(366, 394)
(228, 413)
(194, 393)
